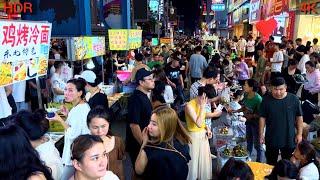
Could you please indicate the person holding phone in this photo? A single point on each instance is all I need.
(200, 166)
(164, 153)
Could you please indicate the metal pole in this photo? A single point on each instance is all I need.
(158, 20)
(102, 66)
(167, 18)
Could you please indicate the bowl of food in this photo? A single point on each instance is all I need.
(238, 152)
(51, 112)
(223, 132)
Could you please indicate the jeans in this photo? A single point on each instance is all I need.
(252, 131)
(180, 95)
(22, 106)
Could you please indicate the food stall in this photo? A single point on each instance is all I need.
(124, 40)
(211, 38)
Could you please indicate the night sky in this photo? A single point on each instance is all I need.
(190, 10)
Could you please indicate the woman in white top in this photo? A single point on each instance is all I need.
(57, 84)
(36, 126)
(89, 158)
(305, 155)
(250, 47)
(75, 124)
(160, 75)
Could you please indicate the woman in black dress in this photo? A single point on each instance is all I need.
(164, 152)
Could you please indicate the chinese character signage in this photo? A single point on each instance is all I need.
(255, 12)
(134, 39)
(274, 7)
(165, 40)
(118, 39)
(124, 39)
(87, 47)
(24, 50)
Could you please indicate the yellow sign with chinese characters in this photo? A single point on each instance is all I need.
(124, 39)
(118, 39)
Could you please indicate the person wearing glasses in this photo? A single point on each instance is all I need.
(98, 122)
(139, 112)
(89, 158)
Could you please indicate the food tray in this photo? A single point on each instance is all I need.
(243, 158)
(223, 136)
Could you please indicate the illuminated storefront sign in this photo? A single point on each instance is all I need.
(255, 12)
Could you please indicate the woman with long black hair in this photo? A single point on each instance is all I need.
(18, 159)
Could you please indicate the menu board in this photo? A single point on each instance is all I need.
(165, 40)
(24, 50)
(124, 39)
(134, 39)
(118, 39)
(87, 47)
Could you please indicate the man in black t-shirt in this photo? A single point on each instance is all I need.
(175, 79)
(139, 112)
(281, 113)
(95, 95)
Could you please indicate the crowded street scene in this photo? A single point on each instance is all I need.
(159, 89)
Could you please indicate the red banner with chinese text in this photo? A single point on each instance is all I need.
(290, 28)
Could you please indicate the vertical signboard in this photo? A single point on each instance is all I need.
(254, 13)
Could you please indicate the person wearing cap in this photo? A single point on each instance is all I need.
(95, 96)
(139, 112)
(174, 76)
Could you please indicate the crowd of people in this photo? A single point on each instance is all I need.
(267, 92)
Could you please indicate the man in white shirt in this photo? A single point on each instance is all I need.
(276, 62)
(305, 58)
(242, 43)
(250, 47)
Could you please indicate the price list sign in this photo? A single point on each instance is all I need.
(118, 39)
